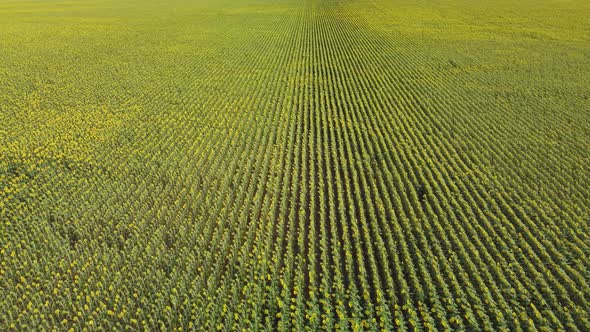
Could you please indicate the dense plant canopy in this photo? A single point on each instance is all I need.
(309, 164)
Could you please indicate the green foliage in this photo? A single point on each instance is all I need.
(294, 165)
